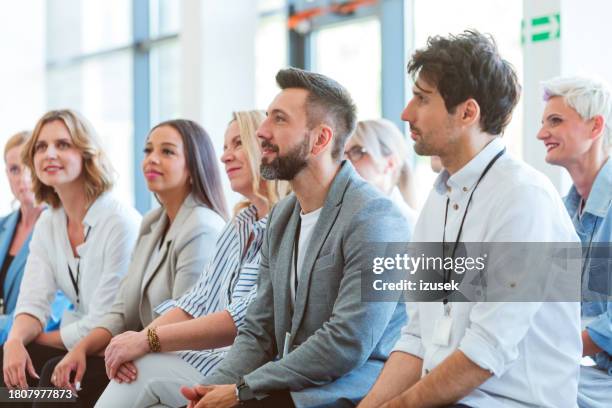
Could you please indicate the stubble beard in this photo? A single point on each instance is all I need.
(288, 166)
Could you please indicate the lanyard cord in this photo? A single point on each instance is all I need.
(486, 170)
(75, 281)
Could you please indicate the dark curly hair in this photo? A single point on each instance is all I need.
(327, 99)
(468, 65)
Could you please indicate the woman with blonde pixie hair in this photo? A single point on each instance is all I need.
(80, 246)
(193, 333)
(379, 152)
(577, 134)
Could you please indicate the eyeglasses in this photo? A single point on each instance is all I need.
(355, 153)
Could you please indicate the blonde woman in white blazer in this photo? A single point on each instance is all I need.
(80, 245)
(176, 241)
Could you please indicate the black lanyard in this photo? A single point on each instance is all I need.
(447, 272)
(75, 281)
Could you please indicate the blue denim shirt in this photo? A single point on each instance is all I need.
(595, 230)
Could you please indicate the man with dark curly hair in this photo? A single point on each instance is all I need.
(480, 353)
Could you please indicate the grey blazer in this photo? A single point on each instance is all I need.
(338, 343)
(152, 278)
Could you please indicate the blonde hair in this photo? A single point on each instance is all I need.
(589, 97)
(16, 140)
(248, 122)
(97, 170)
(381, 138)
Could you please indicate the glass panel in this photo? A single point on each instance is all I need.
(270, 56)
(101, 89)
(351, 54)
(500, 18)
(83, 26)
(165, 17)
(165, 81)
(270, 5)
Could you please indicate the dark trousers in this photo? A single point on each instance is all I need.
(92, 386)
(39, 355)
(275, 400)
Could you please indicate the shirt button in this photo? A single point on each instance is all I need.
(465, 189)
(456, 206)
(426, 371)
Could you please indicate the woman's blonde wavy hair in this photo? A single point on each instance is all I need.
(97, 170)
(248, 122)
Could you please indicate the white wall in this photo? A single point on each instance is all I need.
(582, 49)
(218, 77)
(22, 97)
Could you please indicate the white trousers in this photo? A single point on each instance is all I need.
(157, 384)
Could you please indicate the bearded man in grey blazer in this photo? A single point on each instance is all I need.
(309, 339)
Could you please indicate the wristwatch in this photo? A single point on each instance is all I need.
(243, 392)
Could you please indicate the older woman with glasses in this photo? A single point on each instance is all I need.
(379, 152)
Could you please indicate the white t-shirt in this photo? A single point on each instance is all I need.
(307, 225)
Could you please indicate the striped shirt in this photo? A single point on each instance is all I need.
(228, 283)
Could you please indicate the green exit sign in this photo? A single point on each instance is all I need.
(542, 28)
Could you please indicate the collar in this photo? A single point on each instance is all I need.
(340, 183)
(96, 210)
(396, 195)
(600, 197)
(189, 203)
(249, 216)
(467, 176)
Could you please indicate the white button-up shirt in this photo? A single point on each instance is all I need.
(533, 349)
(111, 229)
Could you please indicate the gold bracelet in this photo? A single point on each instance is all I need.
(153, 339)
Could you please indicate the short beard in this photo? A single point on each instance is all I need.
(288, 166)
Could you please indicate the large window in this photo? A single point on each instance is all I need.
(89, 69)
(500, 18)
(270, 49)
(117, 62)
(351, 53)
(165, 60)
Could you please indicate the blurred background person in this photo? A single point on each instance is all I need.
(176, 242)
(81, 245)
(379, 152)
(577, 135)
(203, 323)
(15, 234)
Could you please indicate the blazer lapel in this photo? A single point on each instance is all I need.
(284, 269)
(324, 224)
(175, 228)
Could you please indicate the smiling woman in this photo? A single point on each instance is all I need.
(175, 243)
(71, 174)
(202, 323)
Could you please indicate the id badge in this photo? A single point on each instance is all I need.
(442, 331)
